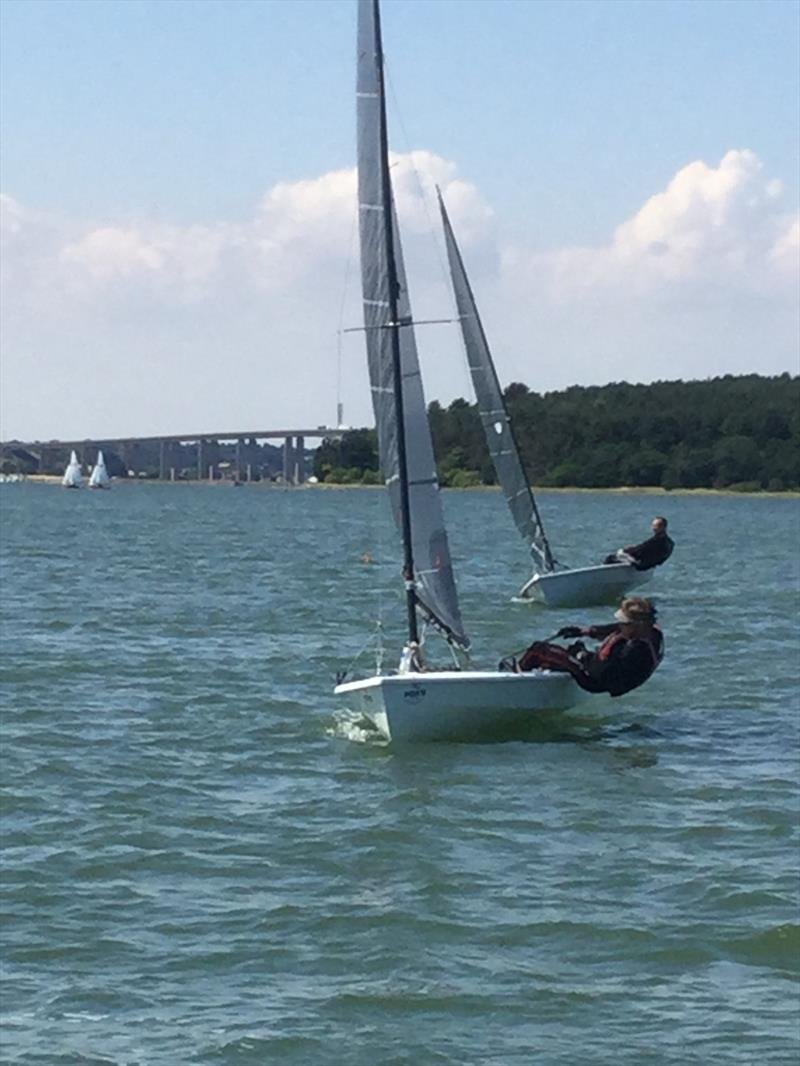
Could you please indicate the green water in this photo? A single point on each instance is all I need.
(206, 860)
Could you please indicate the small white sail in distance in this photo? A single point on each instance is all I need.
(100, 478)
(73, 478)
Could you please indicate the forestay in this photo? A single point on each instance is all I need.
(436, 590)
(491, 405)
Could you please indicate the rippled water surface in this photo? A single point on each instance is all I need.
(207, 861)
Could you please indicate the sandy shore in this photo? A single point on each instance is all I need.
(623, 490)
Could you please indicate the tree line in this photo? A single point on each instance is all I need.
(732, 432)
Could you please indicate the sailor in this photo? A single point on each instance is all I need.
(650, 553)
(631, 649)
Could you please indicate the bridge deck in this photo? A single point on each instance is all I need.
(180, 438)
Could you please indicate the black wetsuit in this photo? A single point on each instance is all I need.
(651, 552)
(619, 664)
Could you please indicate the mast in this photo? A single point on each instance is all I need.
(393, 325)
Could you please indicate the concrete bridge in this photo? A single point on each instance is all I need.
(86, 449)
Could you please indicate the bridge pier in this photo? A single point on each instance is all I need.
(288, 461)
(238, 460)
(299, 461)
(199, 460)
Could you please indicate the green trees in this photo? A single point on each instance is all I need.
(729, 432)
(350, 459)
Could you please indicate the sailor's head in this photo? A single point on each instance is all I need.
(635, 611)
(659, 525)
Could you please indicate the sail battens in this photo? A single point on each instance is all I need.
(494, 416)
(377, 224)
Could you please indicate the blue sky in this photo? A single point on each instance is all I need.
(140, 138)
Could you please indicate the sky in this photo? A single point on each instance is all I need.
(178, 201)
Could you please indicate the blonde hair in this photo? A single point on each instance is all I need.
(638, 609)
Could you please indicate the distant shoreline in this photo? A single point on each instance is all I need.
(620, 490)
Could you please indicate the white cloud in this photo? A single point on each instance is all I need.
(701, 279)
(297, 228)
(710, 227)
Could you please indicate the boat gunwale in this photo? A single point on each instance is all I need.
(457, 676)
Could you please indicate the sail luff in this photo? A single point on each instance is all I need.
(387, 318)
(495, 419)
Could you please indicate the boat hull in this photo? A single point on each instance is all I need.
(584, 587)
(458, 705)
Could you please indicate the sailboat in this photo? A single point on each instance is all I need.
(415, 703)
(552, 583)
(73, 478)
(100, 478)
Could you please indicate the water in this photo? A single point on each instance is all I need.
(206, 861)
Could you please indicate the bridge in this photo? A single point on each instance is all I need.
(86, 448)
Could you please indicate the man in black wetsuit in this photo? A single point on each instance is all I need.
(631, 649)
(651, 552)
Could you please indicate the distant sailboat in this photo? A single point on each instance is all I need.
(100, 478)
(552, 583)
(73, 478)
(414, 702)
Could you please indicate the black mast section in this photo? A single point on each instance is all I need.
(394, 327)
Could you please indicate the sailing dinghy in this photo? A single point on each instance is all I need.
(552, 583)
(100, 478)
(73, 478)
(414, 703)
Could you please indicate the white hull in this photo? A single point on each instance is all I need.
(458, 705)
(584, 587)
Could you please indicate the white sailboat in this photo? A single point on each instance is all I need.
(100, 478)
(552, 583)
(414, 703)
(73, 478)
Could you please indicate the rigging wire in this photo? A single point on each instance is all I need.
(341, 330)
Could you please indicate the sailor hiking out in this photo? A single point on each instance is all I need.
(650, 553)
(631, 649)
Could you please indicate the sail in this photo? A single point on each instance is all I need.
(99, 478)
(491, 405)
(73, 478)
(436, 590)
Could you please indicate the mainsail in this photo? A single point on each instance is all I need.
(73, 478)
(491, 405)
(433, 572)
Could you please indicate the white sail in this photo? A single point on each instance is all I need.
(73, 478)
(100, 478)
